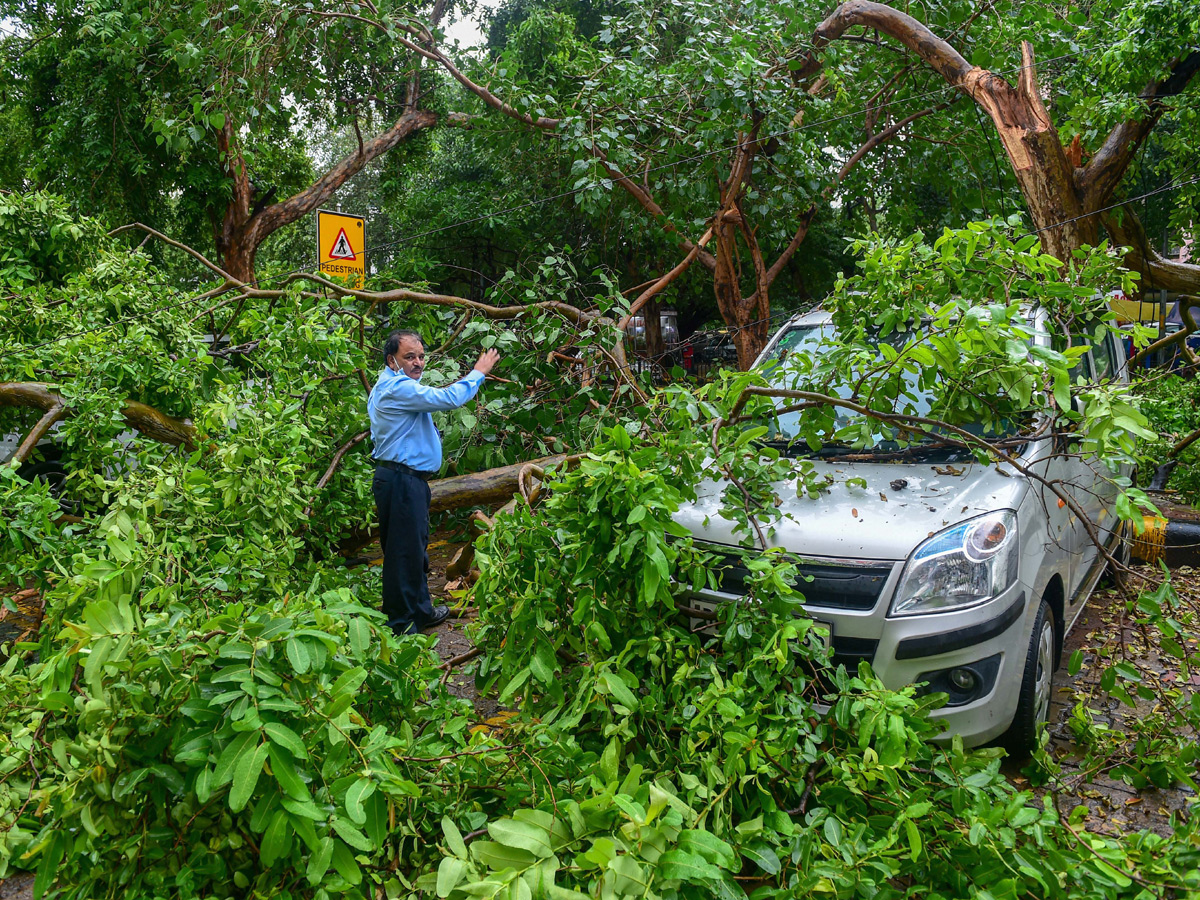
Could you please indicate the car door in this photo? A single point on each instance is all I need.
(1069, 496)
(1106, 367)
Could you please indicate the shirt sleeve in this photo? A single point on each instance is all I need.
(407, 395)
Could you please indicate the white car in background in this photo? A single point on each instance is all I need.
(940, 570)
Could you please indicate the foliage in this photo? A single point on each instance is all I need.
(704, 764)
(42, 241)
(1172, 404)
(231, 749)
(212, 710)
(1155, 748)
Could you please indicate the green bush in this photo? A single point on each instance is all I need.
(184, 752)
(1172, 404)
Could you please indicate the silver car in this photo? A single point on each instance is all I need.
(937, 569)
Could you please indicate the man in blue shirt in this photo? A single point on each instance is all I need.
(408, 452)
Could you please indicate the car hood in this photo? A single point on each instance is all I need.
(901, 505)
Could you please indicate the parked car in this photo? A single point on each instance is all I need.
(714, 347)
(934, 568)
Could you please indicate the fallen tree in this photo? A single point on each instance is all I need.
(1069, 201)
(145, 419)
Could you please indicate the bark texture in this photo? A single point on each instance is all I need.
(1066, 201)
(145, 419)
(250, 218)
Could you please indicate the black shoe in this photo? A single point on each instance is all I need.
(440, 615)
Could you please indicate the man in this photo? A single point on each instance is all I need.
(408, 452)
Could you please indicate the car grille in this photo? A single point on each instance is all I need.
(849, 651)
(833, 585)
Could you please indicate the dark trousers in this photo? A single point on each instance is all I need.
(403, 504)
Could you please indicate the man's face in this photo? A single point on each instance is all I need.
(410, 357)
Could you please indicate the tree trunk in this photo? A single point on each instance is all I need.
(1065, 202)
(250, 218)
(491, 487)
(747, 317)
(486, 488)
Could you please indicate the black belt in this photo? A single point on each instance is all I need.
(407, 470)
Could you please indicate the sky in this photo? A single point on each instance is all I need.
(467, 31)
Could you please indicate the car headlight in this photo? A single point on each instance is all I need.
(966, 564)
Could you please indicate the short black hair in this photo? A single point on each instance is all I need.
(392, 347)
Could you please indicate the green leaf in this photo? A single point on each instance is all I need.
(283, 736)
(276, 839)
(709, 846)
(1075, 663)
(245, 776)
(613, 684)
(240, 745)
(360, 637)
(349, 682)
(352, 835)
(683, 866)
(609, 760)
(297, 655)
(284, 770)
(358, 792)
(498, 856)
(914, 839)
(514, 685)
(454, 839)
(833, 831)
(522, 835)
(450, 873)
(343, 861)
(318, 863)
(541, 663)
(763, 856)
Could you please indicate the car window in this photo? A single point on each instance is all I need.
(1103, 358)
(1081, 369)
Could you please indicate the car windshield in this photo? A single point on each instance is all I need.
(807, 340)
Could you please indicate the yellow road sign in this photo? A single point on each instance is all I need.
(342, 246)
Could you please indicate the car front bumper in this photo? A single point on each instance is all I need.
(988, 641)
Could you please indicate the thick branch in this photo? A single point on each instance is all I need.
(287, 211)
(648, 203)
(230, 281)
(1178, 338)
(936, 53)
(1100, 177)
(146, 419)
(660, 285)
(434, 54)
(881, 137)
(1126, 230)
(38, 431)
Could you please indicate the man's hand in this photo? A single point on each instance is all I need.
(487, 360)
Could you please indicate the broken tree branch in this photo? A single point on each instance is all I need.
(38, 431)
(333, 465)
(145, 419)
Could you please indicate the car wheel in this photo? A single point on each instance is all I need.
(1033, 705)
(52, 472)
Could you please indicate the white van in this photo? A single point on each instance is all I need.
(937, 570)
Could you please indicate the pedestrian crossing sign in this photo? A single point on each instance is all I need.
(341, 246)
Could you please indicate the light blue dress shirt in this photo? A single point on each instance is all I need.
(402, 428)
